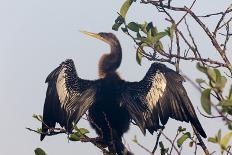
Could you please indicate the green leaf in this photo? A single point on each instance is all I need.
(138, 35)
(230, 94)
(135, 139)
(125, 7)
(217, 72)
(212, 75)
(39, 130)
(172, 30)
(205, 101)
(149, 26)
(219, 135)
(158, 47)
(124, 29)
(191, 144)
(159, 35)
(225, 103)
(225, 140)
(201, 68)
(150, 37)
(139, 55)
(183, 138)
(133, 26)
(163, 150)
(200, 81)
(230, 126)
(38, 117)
(83, 131)
(221, 82)
(39, 151)
(144, 27)
(181, 129)
(144, 40)
(213, 140)
(74, 137)
(161, 145)
(230, 66)
(118, 22)
(75, 126)
(154, 31)
(116, 26)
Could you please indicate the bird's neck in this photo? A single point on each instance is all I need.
(110, 62)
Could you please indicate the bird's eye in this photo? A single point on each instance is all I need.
(101, 34)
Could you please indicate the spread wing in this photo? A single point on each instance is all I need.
(68, 97)
(157, 97)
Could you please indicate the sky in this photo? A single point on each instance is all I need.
(37, 35)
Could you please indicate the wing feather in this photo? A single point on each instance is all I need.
(162, 95)
(68, 97)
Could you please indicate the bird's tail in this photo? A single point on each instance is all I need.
(197, 125)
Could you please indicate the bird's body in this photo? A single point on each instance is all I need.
(106, 111)
(107, 117)
(112, 102)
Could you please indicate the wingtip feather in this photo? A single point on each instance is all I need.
(42, 136)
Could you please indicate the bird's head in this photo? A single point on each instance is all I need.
(108, 38)
(108, 62)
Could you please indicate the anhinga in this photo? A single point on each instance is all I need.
(112, 102)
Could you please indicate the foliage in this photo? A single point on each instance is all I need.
(39, 151)
(78, 133)
(216, 99)
(223, 142)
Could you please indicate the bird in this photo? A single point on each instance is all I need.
(113, 103)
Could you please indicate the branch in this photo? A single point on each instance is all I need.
(221, 19)
(216, 14)
(143, 147)
(207, 115)
(52, 133)
(169, 140)
(84, 138)
(211, 36)
(177, 134)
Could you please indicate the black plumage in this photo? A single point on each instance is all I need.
(112, 102)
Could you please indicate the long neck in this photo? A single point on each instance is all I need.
(110, 62)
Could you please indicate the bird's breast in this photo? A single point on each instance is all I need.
(109, 91)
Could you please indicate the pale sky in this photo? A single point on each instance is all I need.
(37, 35)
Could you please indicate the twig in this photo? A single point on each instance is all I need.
(83, 139)
(228, 150)
(143, 147)
(178, 52)
(47, 133)
(169, 140)
(157, 141)
(208, 116)
(196, 52)
(177, 134)
(216, 14)
(220, 21)
(202, 25)
(195, 150)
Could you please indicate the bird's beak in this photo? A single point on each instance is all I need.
(95, 35)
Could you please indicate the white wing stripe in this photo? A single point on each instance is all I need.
(157, 89)
(61, 88)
